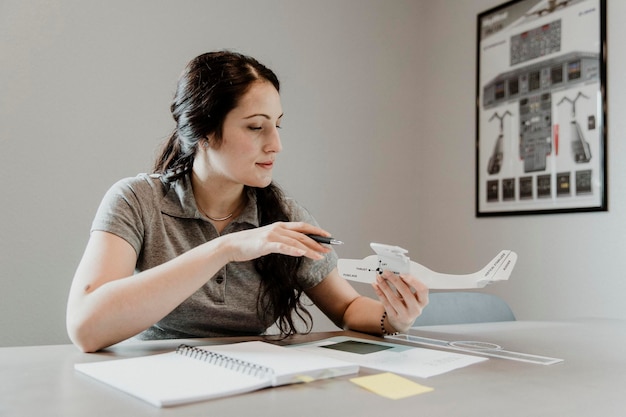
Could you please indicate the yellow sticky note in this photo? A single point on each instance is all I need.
(390, 385)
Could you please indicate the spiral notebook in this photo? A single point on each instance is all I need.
(192, 374)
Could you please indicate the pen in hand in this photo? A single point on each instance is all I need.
(326, 240)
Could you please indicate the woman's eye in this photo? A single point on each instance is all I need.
(256, 127)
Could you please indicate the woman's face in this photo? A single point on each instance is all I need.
(250, 139)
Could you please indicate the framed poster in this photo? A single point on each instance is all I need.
(541, 108)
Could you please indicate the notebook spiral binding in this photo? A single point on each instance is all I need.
(238, 365)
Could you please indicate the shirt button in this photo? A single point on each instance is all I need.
(219, 280)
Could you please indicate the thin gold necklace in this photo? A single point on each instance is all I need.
(221, 219)
(218, 219)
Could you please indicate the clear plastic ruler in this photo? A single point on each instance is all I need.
(475, 347)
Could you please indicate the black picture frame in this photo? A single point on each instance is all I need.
(541, 108)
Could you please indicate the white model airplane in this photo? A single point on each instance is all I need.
(394, 258)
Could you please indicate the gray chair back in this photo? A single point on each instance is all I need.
(463, 307)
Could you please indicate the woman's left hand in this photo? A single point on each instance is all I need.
(403, 296)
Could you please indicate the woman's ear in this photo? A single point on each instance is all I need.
(210, 141)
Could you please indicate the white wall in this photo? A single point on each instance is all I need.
(569, 265)
(379, 139)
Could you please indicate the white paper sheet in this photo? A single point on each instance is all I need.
(400, 359)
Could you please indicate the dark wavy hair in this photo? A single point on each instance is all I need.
(212, 85)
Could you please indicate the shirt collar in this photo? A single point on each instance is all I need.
(179, 201)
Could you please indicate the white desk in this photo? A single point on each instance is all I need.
(37, 381)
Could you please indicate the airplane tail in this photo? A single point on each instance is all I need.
(499, 269)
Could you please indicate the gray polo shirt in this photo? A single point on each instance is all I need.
(161, 221)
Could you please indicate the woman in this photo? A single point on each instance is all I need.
(207, 245)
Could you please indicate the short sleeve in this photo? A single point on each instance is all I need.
(123, 212)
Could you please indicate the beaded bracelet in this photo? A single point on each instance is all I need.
(382, 326)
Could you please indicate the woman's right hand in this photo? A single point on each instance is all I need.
(287, 238)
